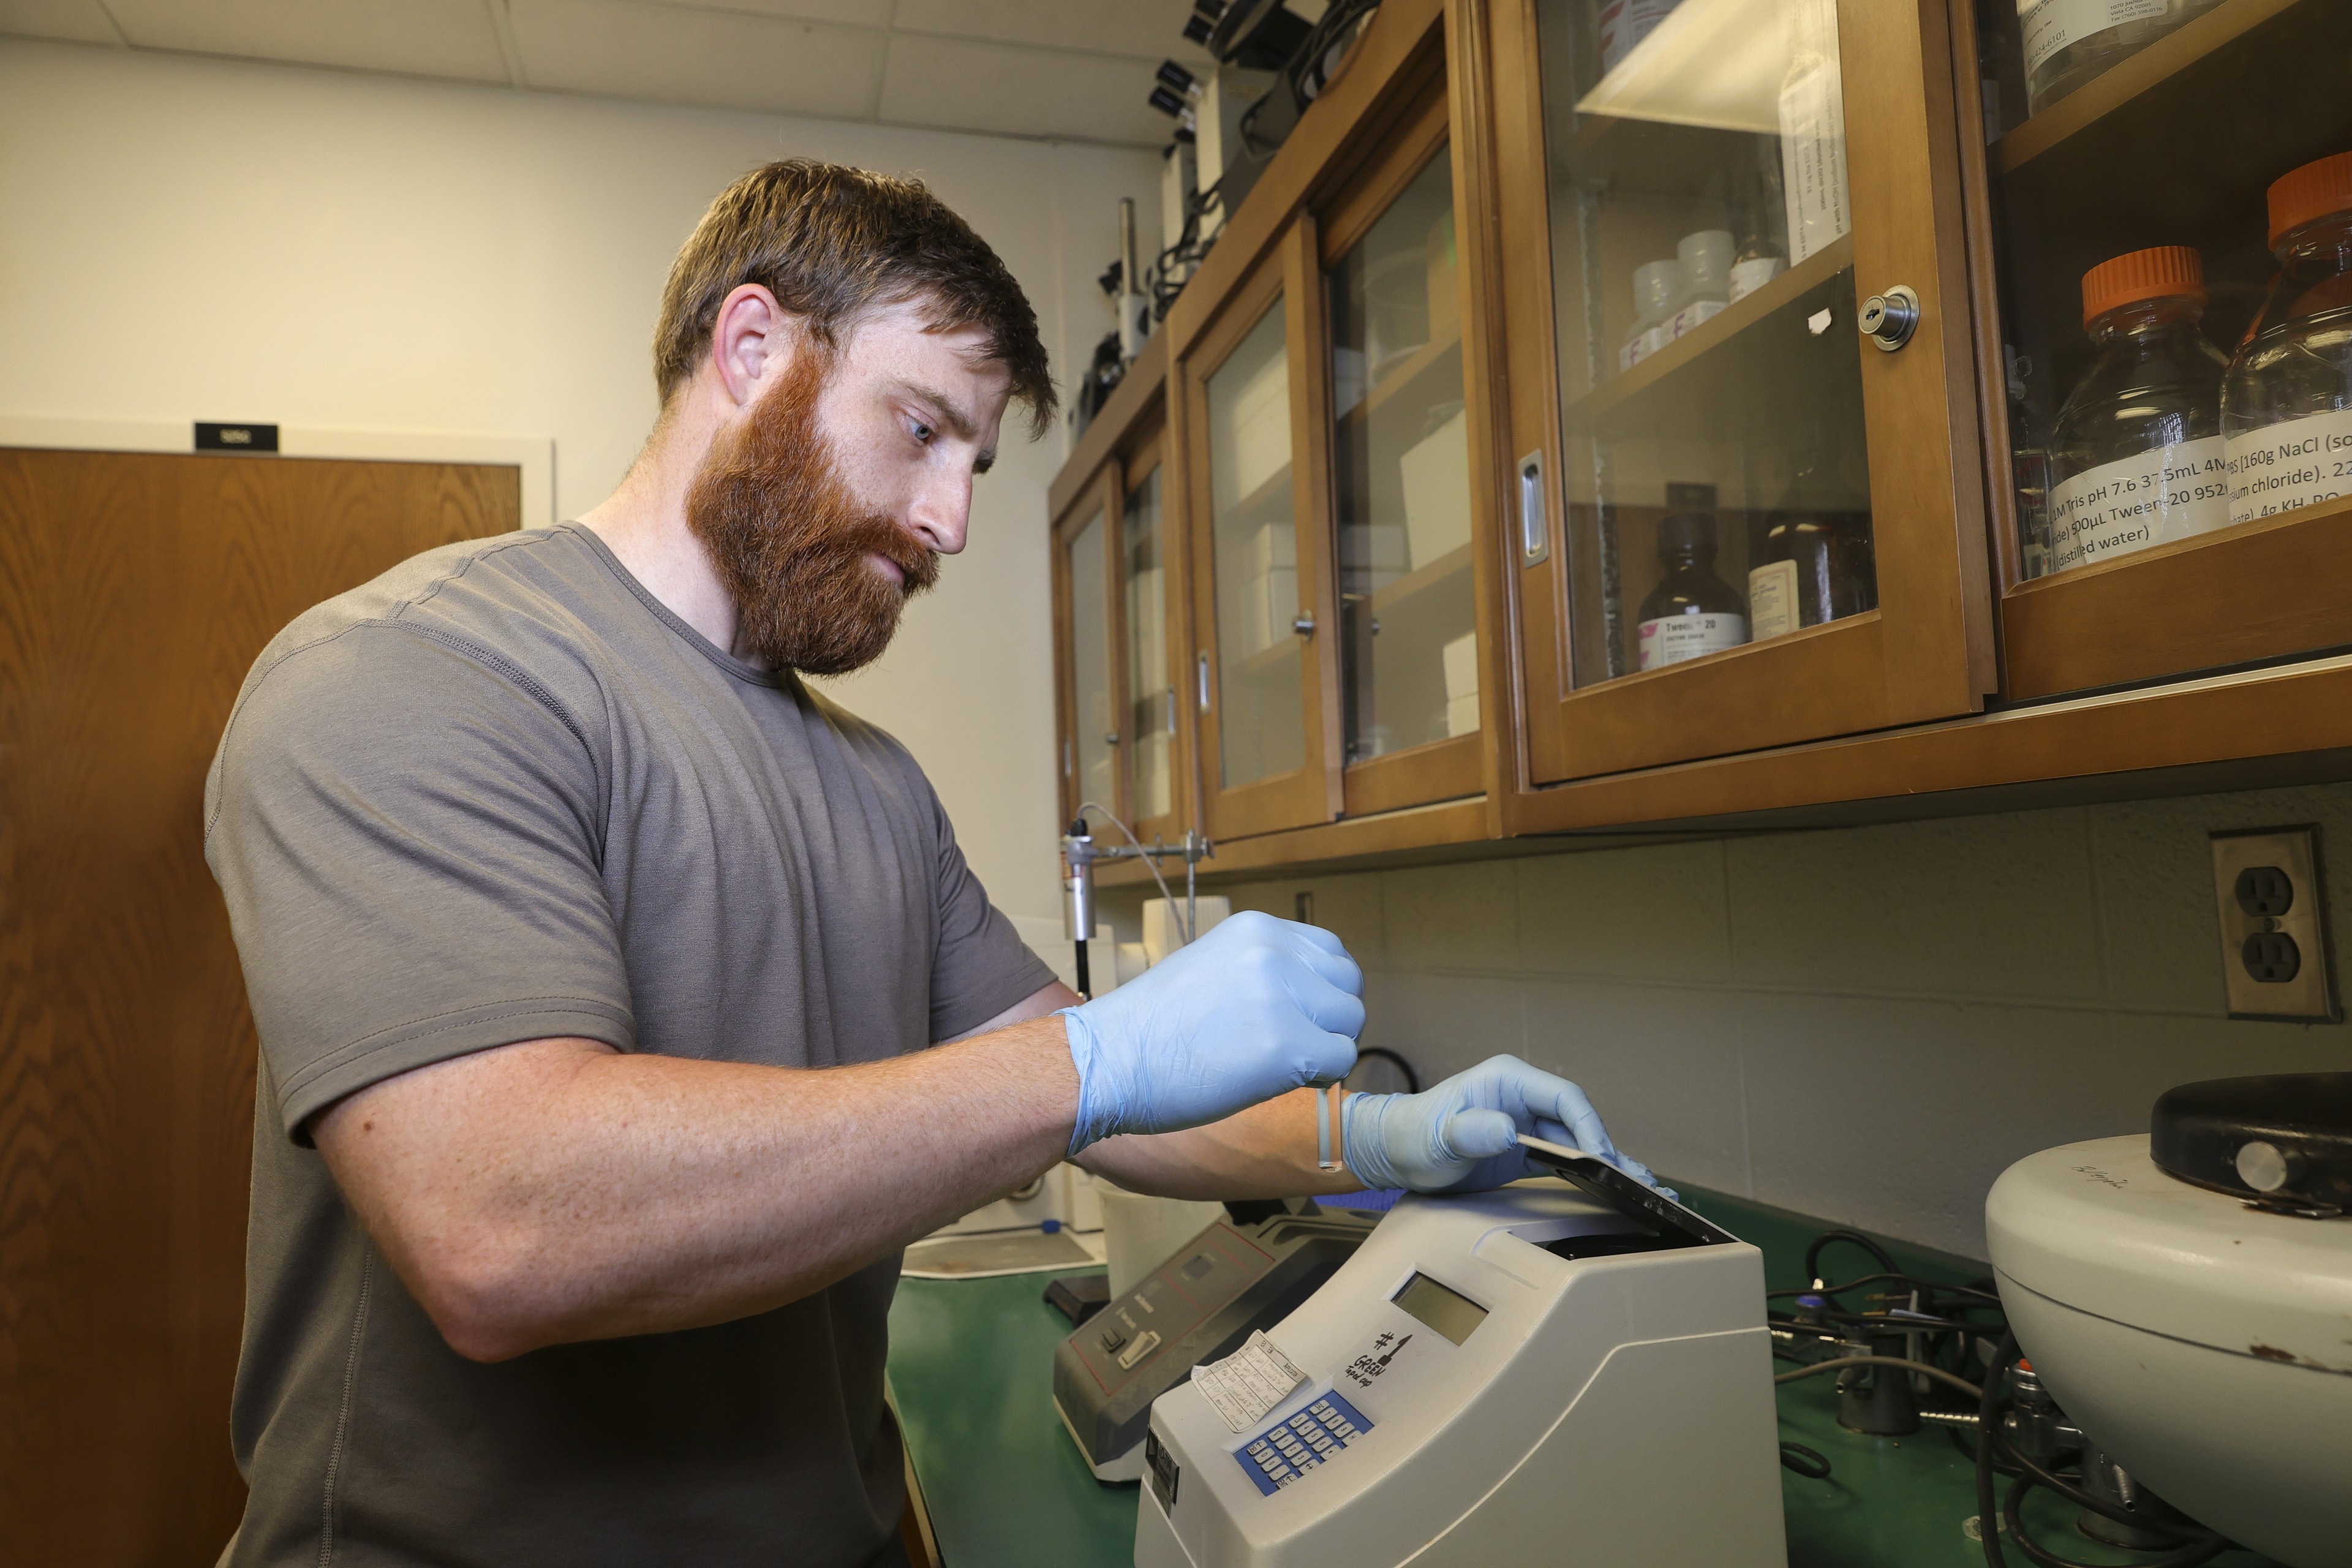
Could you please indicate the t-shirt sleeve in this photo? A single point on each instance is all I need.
(983, 967)
(407, 842)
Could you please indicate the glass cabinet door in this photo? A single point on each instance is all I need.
(2169, 192)
(1090, 709)
(1722, 554)
(1401, 484)
(1151, 707)
(1263, 734)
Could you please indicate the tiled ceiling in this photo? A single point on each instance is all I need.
(1078, 69)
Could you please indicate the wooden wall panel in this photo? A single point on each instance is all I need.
(135, 590)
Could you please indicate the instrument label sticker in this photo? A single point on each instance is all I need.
(1248, 1383)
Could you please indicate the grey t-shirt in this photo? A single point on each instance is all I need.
(500, 793)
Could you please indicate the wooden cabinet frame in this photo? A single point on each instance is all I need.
(1099, 498)
(1311, 792)
(1143, 453)
(2257, 590)
(1927, 651)
(1129, 441)
(1436, 770)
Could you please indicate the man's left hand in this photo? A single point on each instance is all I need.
(1463, 1136)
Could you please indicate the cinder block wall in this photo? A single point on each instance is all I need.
(1865, 1024)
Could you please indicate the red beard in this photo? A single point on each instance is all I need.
(790, 539)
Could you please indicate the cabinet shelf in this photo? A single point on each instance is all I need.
(1268, 657)
(2170, 57)
(1390, 596)
(1620, 401)
(1405, 373)
(1275, 484)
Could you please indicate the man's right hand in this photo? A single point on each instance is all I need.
(1256, 1008)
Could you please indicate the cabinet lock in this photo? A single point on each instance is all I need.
(1303, 624)
(1888, 319)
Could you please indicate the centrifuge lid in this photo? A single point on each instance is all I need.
(2304, 1120)
(2098, 1228)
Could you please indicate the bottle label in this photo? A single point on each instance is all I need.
(1642, 345)
(1773, 600)
(1670, 639)
(2295, 462)
(2168, 492)
(1747, 277)
(1697, 314)
(2052, 25)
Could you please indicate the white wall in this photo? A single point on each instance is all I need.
(185, 239)
(1866, 1025)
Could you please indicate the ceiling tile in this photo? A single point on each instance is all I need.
(1148, 29)
(1019, 91)
(79, 21)
(418, 37)
(855, 13)
(721, 59)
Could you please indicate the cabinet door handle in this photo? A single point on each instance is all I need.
(1111, 739)
(1535, 536)
(1303, 624)
(1200, 674)
(1888, 319)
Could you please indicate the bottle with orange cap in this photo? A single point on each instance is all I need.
(2135, 452)
(2286, 408)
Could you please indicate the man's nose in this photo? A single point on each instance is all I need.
(942, 512)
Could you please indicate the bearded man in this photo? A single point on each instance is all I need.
(625, 1006)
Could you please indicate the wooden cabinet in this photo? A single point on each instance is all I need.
(1581, 430)
(2173, 144)
(1700, 220)
(1121, 726)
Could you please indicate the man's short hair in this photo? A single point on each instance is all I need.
(834, 244)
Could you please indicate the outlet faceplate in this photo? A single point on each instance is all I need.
(2275, 958)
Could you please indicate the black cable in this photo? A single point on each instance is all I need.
(1851, 1238)
(1805, 1461)
(2188, 1556)
(1411, 1079)
(1988, 1521)
(1984, 1298)
(2029, 1475)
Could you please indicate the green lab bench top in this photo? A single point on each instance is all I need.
(972, 1372)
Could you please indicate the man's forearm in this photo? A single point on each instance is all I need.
(559, 1190)
(1267, 1151)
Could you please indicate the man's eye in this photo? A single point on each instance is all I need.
(922, 431)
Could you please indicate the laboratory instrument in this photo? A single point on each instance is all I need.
(1244, 1272)
(1532, 1374)
(2286, 407)
(2183, 1296)
(1079, 853)
(2135, 452)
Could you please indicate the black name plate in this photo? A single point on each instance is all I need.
(213, 436)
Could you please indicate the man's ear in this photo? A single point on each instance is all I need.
(750, 342)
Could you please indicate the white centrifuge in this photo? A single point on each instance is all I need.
(2187, 1296)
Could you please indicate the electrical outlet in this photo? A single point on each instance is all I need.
(2274, 961)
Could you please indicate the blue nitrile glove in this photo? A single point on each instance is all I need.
(1463, 1136)
(1256, 1008)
